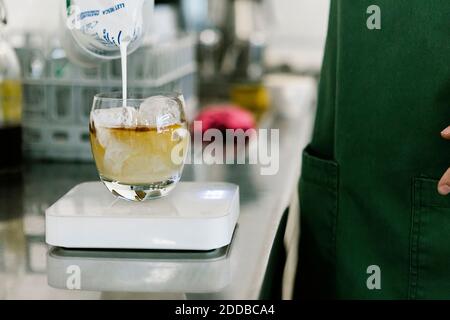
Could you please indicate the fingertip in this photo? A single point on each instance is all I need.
(444, 189)
(446, 133)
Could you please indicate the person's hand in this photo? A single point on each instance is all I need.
(444, 183)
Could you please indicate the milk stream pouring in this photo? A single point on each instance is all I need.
(99, 30)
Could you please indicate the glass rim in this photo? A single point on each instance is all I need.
(135, 96)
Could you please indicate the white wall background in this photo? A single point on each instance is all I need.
(33, 15)
(297, 36)
(299, 33)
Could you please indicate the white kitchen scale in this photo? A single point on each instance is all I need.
(194, 216)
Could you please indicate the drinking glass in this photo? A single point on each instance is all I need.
(140, 144)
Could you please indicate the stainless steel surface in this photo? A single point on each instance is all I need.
(24, 197)
(141, 271)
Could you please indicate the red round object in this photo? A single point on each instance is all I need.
(224, 117)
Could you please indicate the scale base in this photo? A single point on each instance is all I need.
(194, 216)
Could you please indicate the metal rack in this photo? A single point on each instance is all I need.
(58, 94)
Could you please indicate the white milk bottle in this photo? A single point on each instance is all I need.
(96, 30)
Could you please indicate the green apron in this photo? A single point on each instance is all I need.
(368, 189)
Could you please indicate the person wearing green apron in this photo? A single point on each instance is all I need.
(373, 223)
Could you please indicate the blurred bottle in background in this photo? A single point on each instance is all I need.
(232, 41)
(10, 101)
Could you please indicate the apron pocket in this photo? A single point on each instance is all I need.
(318, 213)
(430, 242)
